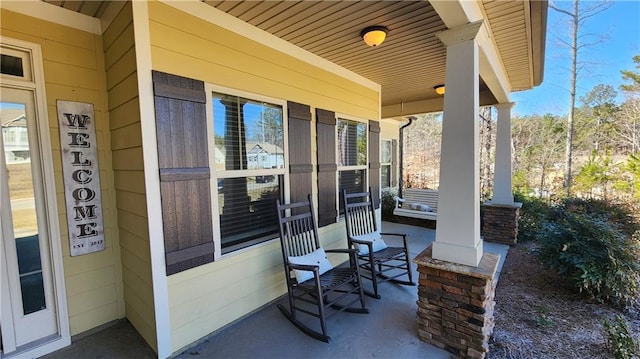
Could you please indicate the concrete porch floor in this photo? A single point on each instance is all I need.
(389, 331)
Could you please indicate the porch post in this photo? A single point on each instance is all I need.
(502, 186)
(501, 213)
(458, 229)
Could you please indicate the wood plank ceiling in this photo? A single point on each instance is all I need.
(408, 64)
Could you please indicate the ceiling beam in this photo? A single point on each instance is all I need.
(402, 110)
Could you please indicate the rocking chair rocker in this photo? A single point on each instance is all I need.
(380, 262)
(311, 279)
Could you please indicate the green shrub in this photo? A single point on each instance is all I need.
(618, 213)
(533, 215)
(388, 202)
(594, 253)
(619, 340)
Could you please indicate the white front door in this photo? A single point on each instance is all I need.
(33, 309)
(24, 229)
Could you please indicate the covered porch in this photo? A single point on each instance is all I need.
(389, 331)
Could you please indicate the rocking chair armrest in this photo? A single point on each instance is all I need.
(394, 234)
(359, 241)
(343, 250)
(398, 200)
(307, 267)
(403, 235)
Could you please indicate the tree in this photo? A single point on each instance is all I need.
(578, 15)
(632, 76)
(601, 108)
(268, 129)
(596, 176)
(629, 121)
(421, 163)
(628, 126)
(486, 142)
(538, 142)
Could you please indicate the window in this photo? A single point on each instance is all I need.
(352, 156)
(385, 163)
(249, 163)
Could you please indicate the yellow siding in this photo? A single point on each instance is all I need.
(74, 70)
(126, 144)
(389, 129)
(210, 53)
(209, 297)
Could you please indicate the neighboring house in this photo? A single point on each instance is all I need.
(174, 87)
(14, 136)
(265, 155)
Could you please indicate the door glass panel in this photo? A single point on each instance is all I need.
(15, 138)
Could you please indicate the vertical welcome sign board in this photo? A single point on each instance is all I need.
(81, 177)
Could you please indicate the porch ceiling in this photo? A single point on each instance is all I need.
(411, 61)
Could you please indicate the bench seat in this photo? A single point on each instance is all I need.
(416, 198)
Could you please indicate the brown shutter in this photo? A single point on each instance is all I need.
(181, 127)
(394, 163)
(300, 167)
(327, 167)
(374, 161)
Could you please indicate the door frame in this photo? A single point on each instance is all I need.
(37, 87)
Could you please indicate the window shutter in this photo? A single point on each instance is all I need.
(327, 167)
(181, 127)
(394, 163)
(300, 167)
(374, 161)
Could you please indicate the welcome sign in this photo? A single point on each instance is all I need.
(81, 177)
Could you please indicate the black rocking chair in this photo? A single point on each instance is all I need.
(380, 262)
(312, 290)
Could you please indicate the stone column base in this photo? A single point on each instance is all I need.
(455, 304)
(500, 223)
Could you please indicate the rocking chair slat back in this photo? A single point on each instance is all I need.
(360, 218)
(298, 233)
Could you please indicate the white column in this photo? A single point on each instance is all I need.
(458, 229)
(502, 186)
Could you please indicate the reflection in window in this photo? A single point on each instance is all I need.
(352, 143)
(248, 134)
(249, 161)
(352, 157)
(385, 163)
(22, 194)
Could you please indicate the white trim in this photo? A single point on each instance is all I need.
(55, 246)
(461, 33)
(47, 12)
(151, 179)
(215, 218)
(50, 194)
(210, 14)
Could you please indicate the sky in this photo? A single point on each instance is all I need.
(619, 29)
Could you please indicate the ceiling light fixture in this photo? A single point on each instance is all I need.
(439, 89)
(374, 35)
